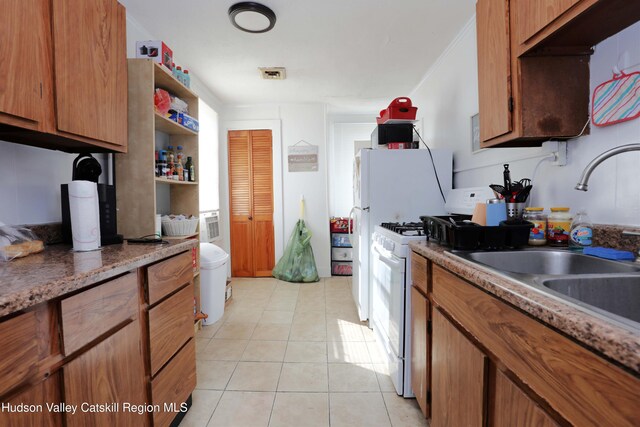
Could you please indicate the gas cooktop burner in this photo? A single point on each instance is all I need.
(405, 228)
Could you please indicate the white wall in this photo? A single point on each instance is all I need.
(209, 158)
(290, 123)
(448, 96)
(30, 183)
(343, 132)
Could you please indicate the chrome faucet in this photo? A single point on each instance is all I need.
(586, 173)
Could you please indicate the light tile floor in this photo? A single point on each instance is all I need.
(287, 354)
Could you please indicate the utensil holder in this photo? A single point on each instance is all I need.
(515, 211)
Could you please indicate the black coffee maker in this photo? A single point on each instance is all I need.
(87, 168)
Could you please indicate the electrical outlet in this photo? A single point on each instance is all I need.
(558, 149)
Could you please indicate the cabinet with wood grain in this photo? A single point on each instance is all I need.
(533, 65)
(420, 333)
(64, 82)
(171, 363)
(507, 369)
(525, 100)
(118, 352)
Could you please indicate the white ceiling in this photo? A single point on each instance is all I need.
(354, 55)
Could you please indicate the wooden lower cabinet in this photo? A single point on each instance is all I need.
(420, 349)
(509, 406)
(170, 326)
(110, 373)
(458, 379)
(173, 385)
(90, 354)
(527, 375)
(36, 397)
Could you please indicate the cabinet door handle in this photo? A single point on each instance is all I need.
(250, 218)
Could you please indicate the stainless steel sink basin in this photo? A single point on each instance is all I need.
(615, 294)
(548, 262)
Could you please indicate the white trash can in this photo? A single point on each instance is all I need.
(213, 281)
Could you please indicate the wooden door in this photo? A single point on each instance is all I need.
(494, 68)
(420, 349)
(511, 407)
(90, 69)
(24, 32)
(251, 203)
(458, 377)
(111, 372)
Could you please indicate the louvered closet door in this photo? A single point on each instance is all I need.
(262, 170)
(251, 203)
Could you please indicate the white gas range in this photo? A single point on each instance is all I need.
(391, 306)
(391, 280)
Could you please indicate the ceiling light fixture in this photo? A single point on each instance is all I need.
(252, 17)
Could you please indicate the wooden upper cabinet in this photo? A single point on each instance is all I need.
(90, 69)
(524, 101)
(23, 30)
(494, 68)
(533, 16)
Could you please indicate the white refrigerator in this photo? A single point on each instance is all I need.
(391, 186)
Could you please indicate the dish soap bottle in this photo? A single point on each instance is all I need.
(581, 232)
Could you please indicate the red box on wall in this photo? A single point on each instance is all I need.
(399, 109)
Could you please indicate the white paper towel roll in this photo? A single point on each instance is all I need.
(85, 215)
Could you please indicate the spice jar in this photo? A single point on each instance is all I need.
(559, 226)
(538, 234)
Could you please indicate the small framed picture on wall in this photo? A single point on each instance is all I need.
(475, 134)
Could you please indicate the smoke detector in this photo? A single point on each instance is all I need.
(273, 73)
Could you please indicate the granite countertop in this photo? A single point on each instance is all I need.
(57, 270)
(617, 342)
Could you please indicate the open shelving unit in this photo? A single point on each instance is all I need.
(140, 194)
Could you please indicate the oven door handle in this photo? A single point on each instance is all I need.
(390, 262)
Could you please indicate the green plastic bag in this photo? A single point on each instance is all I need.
(297, 264)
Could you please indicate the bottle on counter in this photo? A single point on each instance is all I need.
(559, 226)
(538, 234)
(190, 170)
(581, 234)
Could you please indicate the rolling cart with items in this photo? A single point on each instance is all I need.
(341, 251)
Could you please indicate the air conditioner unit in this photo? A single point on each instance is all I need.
(210, 226)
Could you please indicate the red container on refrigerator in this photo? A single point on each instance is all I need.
(399, 109)
(400, 145)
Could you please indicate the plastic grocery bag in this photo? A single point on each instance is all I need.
(297, 264)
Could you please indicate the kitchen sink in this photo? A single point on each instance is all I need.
(599, 286)
(547, 262)
(615, 294)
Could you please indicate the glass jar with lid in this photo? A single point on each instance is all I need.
(538, 234)
(559, 226)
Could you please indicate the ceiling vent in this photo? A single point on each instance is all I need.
(273, 73)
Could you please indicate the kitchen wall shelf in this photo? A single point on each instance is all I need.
(166, 125)
(141, 195)
(172, 182)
